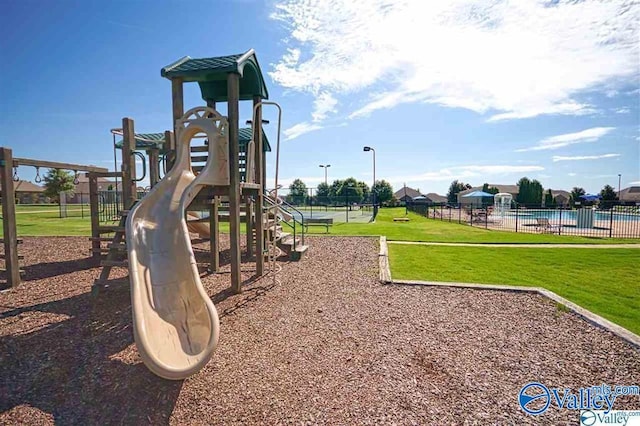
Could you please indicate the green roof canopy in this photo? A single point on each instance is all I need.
(211, 75)
(146, 141)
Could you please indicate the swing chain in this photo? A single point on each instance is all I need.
(38, 178)
(15, 174)
(76, 178)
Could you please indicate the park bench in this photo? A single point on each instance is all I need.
(326, 222)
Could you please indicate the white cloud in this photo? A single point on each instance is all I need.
(572, 174)
(623, 110)
(636, 182)
(508, 59)
(559, 141)
(300, 129)
(557, 158)
(465, 172)
(324, 104)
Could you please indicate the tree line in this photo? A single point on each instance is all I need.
(340, 191)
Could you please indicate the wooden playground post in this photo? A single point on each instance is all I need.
(214, 235)
(129, 190)
(95, 218)
(10, 237)
(177, 97)
(233, 101)
(154, 166)
(259, 167)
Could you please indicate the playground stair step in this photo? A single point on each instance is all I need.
(101, 239)
(20, 257)
(112, 263)
(19, 240)
(21, 271)
(103, 229)
(114, 250)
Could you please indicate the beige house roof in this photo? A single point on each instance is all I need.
(436, 198)
(561, 193)
(399, 194)
(26, 186)
(103, 184)
(630, 194)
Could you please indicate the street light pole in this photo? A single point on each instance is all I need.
(619, 179)
(325, 167)
(375, 206)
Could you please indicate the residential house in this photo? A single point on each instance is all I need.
(630, 195)
(28, 193)
(436, 198)
(406, 193)
(81, 191)
(561, 197)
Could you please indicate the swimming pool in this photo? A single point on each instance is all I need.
(571, 215)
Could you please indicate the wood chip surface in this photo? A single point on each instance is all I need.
(328, 344)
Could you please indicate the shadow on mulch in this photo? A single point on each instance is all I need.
(68, 368)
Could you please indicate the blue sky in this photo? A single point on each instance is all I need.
(471, 90)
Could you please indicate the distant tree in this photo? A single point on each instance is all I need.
(490, 189)
(537, 191)
(576, 192)
(297, 192)
(351, 189)
(383, 191)
(608, 196)
(57, 181)
(529, 192)
(322, 194)
(454, 189)
(549, 201)
(110, 187)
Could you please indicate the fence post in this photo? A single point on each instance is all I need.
(471, 214)
(611, 222)
(459, 214)
(560, 224)
(516, 218)
(486, 218)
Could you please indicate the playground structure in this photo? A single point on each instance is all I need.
(175, 323)
(8, 175)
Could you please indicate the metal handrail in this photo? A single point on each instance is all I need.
(286, 208)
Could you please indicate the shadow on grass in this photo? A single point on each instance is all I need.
(68, 368)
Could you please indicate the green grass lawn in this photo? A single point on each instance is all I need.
(605, 281)
(420, 228)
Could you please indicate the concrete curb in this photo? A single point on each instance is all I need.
(521, 245)
(590, 317)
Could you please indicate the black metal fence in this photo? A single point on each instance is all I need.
(607, 221)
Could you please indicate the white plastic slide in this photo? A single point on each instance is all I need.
(175, 323)
(195, 225)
